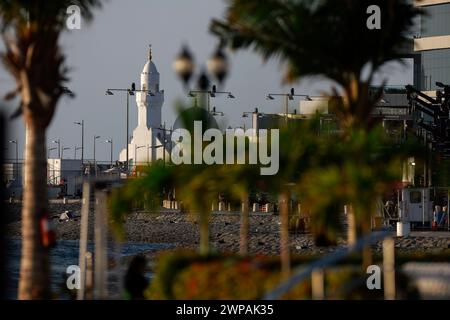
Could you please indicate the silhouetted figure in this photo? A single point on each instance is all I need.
(135, 281)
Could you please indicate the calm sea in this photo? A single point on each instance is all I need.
(64, 254)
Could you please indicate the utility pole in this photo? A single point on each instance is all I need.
(58, 142)
(82, 141)
(287, 96)
(129, 92)
(110, 141)
(95, 161)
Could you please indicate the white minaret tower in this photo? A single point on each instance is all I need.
(146, 145)
(149, 106)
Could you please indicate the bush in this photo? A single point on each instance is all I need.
(186, 275)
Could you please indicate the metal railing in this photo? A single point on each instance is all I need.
(315, 269)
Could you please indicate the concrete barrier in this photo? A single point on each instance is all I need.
(403, 229)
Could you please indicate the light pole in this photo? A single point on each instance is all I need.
(210, 94)
(62, 151)
(129, 92)
(95, 161)
(287, 97)
(255, 115)
(58, 142)
(17, 158)
(136, 148)
(165, 140)
(215, 112)
(48, 151)
(247, 113)
(75, 149)
(82, 141)
(110, 141)
(156, 147)
(217, 65)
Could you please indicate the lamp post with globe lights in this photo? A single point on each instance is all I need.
(217, 66)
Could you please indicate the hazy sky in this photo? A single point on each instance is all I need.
(112, 50)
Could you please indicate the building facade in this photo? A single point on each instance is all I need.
(432, 45)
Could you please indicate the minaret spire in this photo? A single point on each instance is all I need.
(150, 52)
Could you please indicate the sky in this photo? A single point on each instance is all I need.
(111, 51)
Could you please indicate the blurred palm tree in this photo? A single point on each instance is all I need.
(328, 39)
(237, 181)
(324, 38)
(196, 189)
(31, 31)
(197, 185)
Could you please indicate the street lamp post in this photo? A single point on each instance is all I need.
(215, 112)
(75, 152)
(95, 161)
(48, 151)
(62, 151)
(165, 140)
(217, 65)
(82, 141)
(156, 147)
(17, 159)
(210, 94)
(255, 115)
(129, 92)
(110, 141)
(287, 97)
(58, 142)
(136, 148)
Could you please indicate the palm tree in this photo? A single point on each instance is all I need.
(196, 185)
(295, 161)
(31, 32)
(317, 38)
(237, 181)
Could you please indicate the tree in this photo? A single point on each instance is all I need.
(323, 38)
(328, 39)
(31, 32)
(237, 181)
(196, 185)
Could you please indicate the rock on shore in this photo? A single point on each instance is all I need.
(181, 230)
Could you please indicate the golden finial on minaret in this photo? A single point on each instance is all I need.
(150, 52)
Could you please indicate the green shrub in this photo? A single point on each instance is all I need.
(187, 275)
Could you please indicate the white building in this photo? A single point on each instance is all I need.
(65, 173)
(147, 143)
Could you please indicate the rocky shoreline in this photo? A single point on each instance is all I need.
(181, 231)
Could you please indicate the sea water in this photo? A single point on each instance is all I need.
(64, 254)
